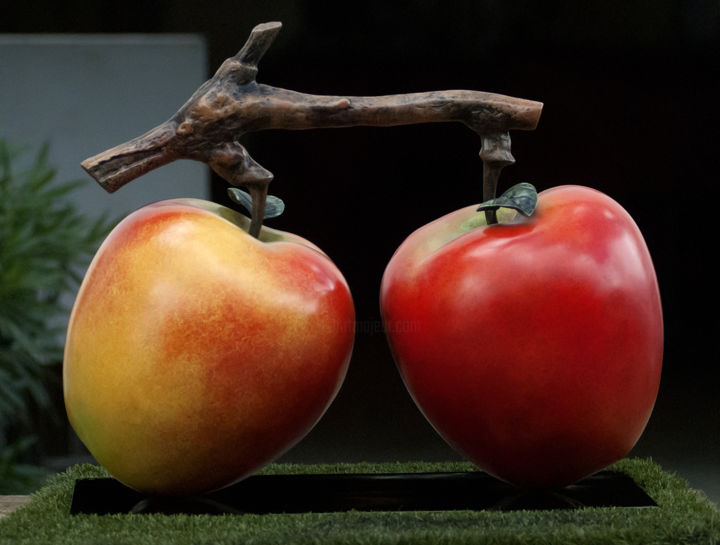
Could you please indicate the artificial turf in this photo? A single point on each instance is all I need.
(682, 516)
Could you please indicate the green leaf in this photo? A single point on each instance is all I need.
(522, 197)
(274, 206)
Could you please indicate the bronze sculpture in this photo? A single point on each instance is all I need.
(207, 127)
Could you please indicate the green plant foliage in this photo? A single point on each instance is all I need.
(44, 245)
(683, 516)
(17, 477)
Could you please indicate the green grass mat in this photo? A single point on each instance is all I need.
(682, 516)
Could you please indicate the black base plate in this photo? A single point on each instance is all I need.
(363, 492)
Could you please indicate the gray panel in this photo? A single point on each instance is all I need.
(87, 93)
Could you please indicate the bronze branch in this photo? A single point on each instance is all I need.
(206, 128)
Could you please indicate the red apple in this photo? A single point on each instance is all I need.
(196, 353)
(533, 346)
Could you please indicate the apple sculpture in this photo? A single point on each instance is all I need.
(203, 344)
(197, 353)
(532, 344)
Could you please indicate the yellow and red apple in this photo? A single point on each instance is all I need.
(197, 353)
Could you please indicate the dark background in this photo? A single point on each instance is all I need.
(631, 96)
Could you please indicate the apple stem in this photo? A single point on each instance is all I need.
(258, 192)
(491, 175)
(495, 155)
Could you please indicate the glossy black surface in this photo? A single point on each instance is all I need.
(363, 492)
